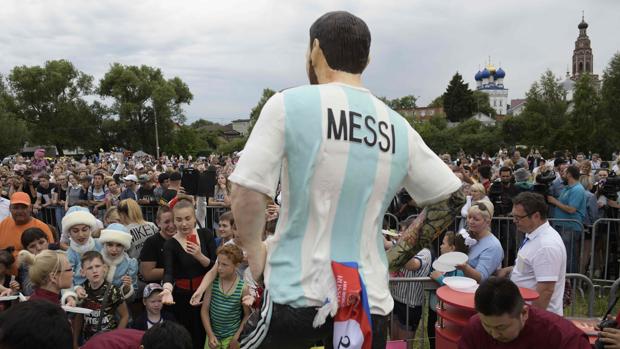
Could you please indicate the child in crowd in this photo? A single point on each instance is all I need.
(225, 228)
(230, 232)
(123, 270)
(154, 314)
(111, 216)
(451, 243)
(85, 183)
(109, 310)
(223, 314)
(34, 241)
(409, 296)
(79, 225)
(8, 285)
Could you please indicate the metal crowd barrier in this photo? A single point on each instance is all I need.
(420, 337)
(605, 230)
(577, 283)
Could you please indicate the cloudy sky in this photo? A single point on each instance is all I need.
(228, 51)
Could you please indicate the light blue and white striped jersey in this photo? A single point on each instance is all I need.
(341, 155)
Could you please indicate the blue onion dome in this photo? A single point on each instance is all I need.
(478, 76)
(485, 74)
(500, 73)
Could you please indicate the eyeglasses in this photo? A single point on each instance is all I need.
(517, 218)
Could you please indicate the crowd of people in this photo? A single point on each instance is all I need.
(297, 229)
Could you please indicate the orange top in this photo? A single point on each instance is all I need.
(11, 235)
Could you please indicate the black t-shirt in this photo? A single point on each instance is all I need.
(146, 194)
(181, 265)
(45, 193)
(83, 195)
(153, 250)
(62, 193)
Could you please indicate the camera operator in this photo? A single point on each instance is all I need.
(501, 194)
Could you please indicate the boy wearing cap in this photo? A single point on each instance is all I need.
(131, 181)
(123, 270)
(154, 314)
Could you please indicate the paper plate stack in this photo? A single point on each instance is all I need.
(461, 284)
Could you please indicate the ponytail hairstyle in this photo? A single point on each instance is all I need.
(42, 266)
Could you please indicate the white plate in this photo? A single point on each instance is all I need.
(77, 310)
(460, 283)
(453, 258)
(469, 290)
(7, 298)
(437, 265)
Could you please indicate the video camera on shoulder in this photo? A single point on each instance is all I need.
(610, 186)
(543, 182)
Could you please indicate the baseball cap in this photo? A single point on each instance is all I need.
(150, 288)
(144, 178)
(20, 198)
(131, 177)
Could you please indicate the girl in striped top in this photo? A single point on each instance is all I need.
(223, 314)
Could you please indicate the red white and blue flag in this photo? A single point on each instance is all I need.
(352, 323)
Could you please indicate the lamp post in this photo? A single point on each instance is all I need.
(156, 132)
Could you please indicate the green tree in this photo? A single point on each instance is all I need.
(482, 104)
(437, 102)
(607, 139)
(13, 132)
(255, 112)
(543, 121)
(50, 99)
(583, 118)
(140, 94)
(458, 100)
(407, 102)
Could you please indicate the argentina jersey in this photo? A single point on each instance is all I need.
(341, 155)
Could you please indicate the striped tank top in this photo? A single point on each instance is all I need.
(225, 311)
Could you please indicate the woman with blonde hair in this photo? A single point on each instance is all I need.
(130, 215)
(485, 257)
(49, 272)
(476, 193)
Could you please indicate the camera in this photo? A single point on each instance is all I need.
(610, 186)
(602, 325)
(606, 323)
(543, 182)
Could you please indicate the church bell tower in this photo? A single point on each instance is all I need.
(582, 54)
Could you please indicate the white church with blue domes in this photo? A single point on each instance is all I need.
(491, 81)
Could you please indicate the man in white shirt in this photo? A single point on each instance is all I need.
(541, 259)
